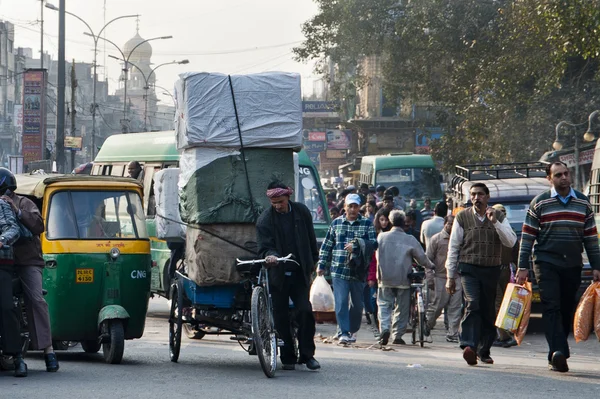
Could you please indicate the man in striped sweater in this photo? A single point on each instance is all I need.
(561, 223)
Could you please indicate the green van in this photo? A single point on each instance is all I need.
(415, 175)
(156, 151)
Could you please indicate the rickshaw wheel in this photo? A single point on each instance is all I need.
(113, 351)
(175, 320)
(263, 333)
(91, 346)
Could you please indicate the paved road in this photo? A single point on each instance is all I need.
(217, 367)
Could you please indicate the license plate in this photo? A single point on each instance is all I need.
(536, 297)
(84, 276)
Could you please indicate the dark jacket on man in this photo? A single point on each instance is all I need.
(28, 251)
(270, 242)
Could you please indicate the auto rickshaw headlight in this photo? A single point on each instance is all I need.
(114, 253)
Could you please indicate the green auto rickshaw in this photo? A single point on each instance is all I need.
(97, 255)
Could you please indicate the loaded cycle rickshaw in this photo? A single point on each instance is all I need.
(243, 309)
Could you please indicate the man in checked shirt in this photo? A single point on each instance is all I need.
(335, 253)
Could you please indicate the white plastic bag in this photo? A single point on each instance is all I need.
(321, 296)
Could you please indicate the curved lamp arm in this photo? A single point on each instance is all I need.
(589, 135)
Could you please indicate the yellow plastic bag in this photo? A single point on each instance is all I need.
(584, 315)
(321, 296)
(512, 307)
(522, 329)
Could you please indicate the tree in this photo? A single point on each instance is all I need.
(504, 71)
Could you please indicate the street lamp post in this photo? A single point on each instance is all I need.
(588, 136)
(147, 82)
(95, 77)
(125, 71)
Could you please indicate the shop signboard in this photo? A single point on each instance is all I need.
(34, 115)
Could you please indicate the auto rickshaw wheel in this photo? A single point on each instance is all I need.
(263, 332)
(91, 346)
(60, 345)
(175, 320)
(113, 350)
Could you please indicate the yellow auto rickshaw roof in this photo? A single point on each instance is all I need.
(35, 184)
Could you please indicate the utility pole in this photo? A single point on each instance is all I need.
(60, 101)
(73, 111)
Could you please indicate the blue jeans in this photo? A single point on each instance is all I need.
(370, 299)
(348, 295)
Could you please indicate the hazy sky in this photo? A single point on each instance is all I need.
(210, 33)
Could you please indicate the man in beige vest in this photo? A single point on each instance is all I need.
(475, 253)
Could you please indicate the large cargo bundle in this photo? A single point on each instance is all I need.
(211, 252)
(214, 186)
(269, 110)
(168, 221)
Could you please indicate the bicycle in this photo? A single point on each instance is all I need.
(264, 336)
(417, 318)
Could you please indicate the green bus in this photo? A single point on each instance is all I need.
(415, 175)
(157, 150)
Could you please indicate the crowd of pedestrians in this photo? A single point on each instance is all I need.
(469, 254)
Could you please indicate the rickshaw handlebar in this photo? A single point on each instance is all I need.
(284, 259)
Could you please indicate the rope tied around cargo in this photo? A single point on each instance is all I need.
(192, 226)
(242, 151)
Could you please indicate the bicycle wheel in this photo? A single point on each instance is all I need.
(421, 316)
(414, 311)
(175, 320)
(263, 332)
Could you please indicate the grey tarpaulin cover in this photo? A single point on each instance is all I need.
(269, 107)
(168, 221)
(211, 260)
(218, 192)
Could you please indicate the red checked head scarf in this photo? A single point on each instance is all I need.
(279, 192)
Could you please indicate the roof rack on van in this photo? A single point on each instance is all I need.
(399, 153)
(500, 171)
(478, 172)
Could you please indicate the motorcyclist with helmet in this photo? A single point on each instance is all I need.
(29, 266)
(10, 330)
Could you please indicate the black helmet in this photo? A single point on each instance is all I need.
(7, 180)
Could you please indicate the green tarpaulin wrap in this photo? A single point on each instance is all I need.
(218, 192)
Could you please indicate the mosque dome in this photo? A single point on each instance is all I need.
(143, 51)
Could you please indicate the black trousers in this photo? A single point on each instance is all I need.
(9, 322)
(477, 329)
(558, 289)
(294, 288)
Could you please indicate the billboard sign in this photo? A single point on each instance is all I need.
(73, 143)
(317, 136)
(34, 115)
(339, 140)
(336, 154)
(315, 146)
(423, 138)
(585, 157)
(314, 157)
(320, 109)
